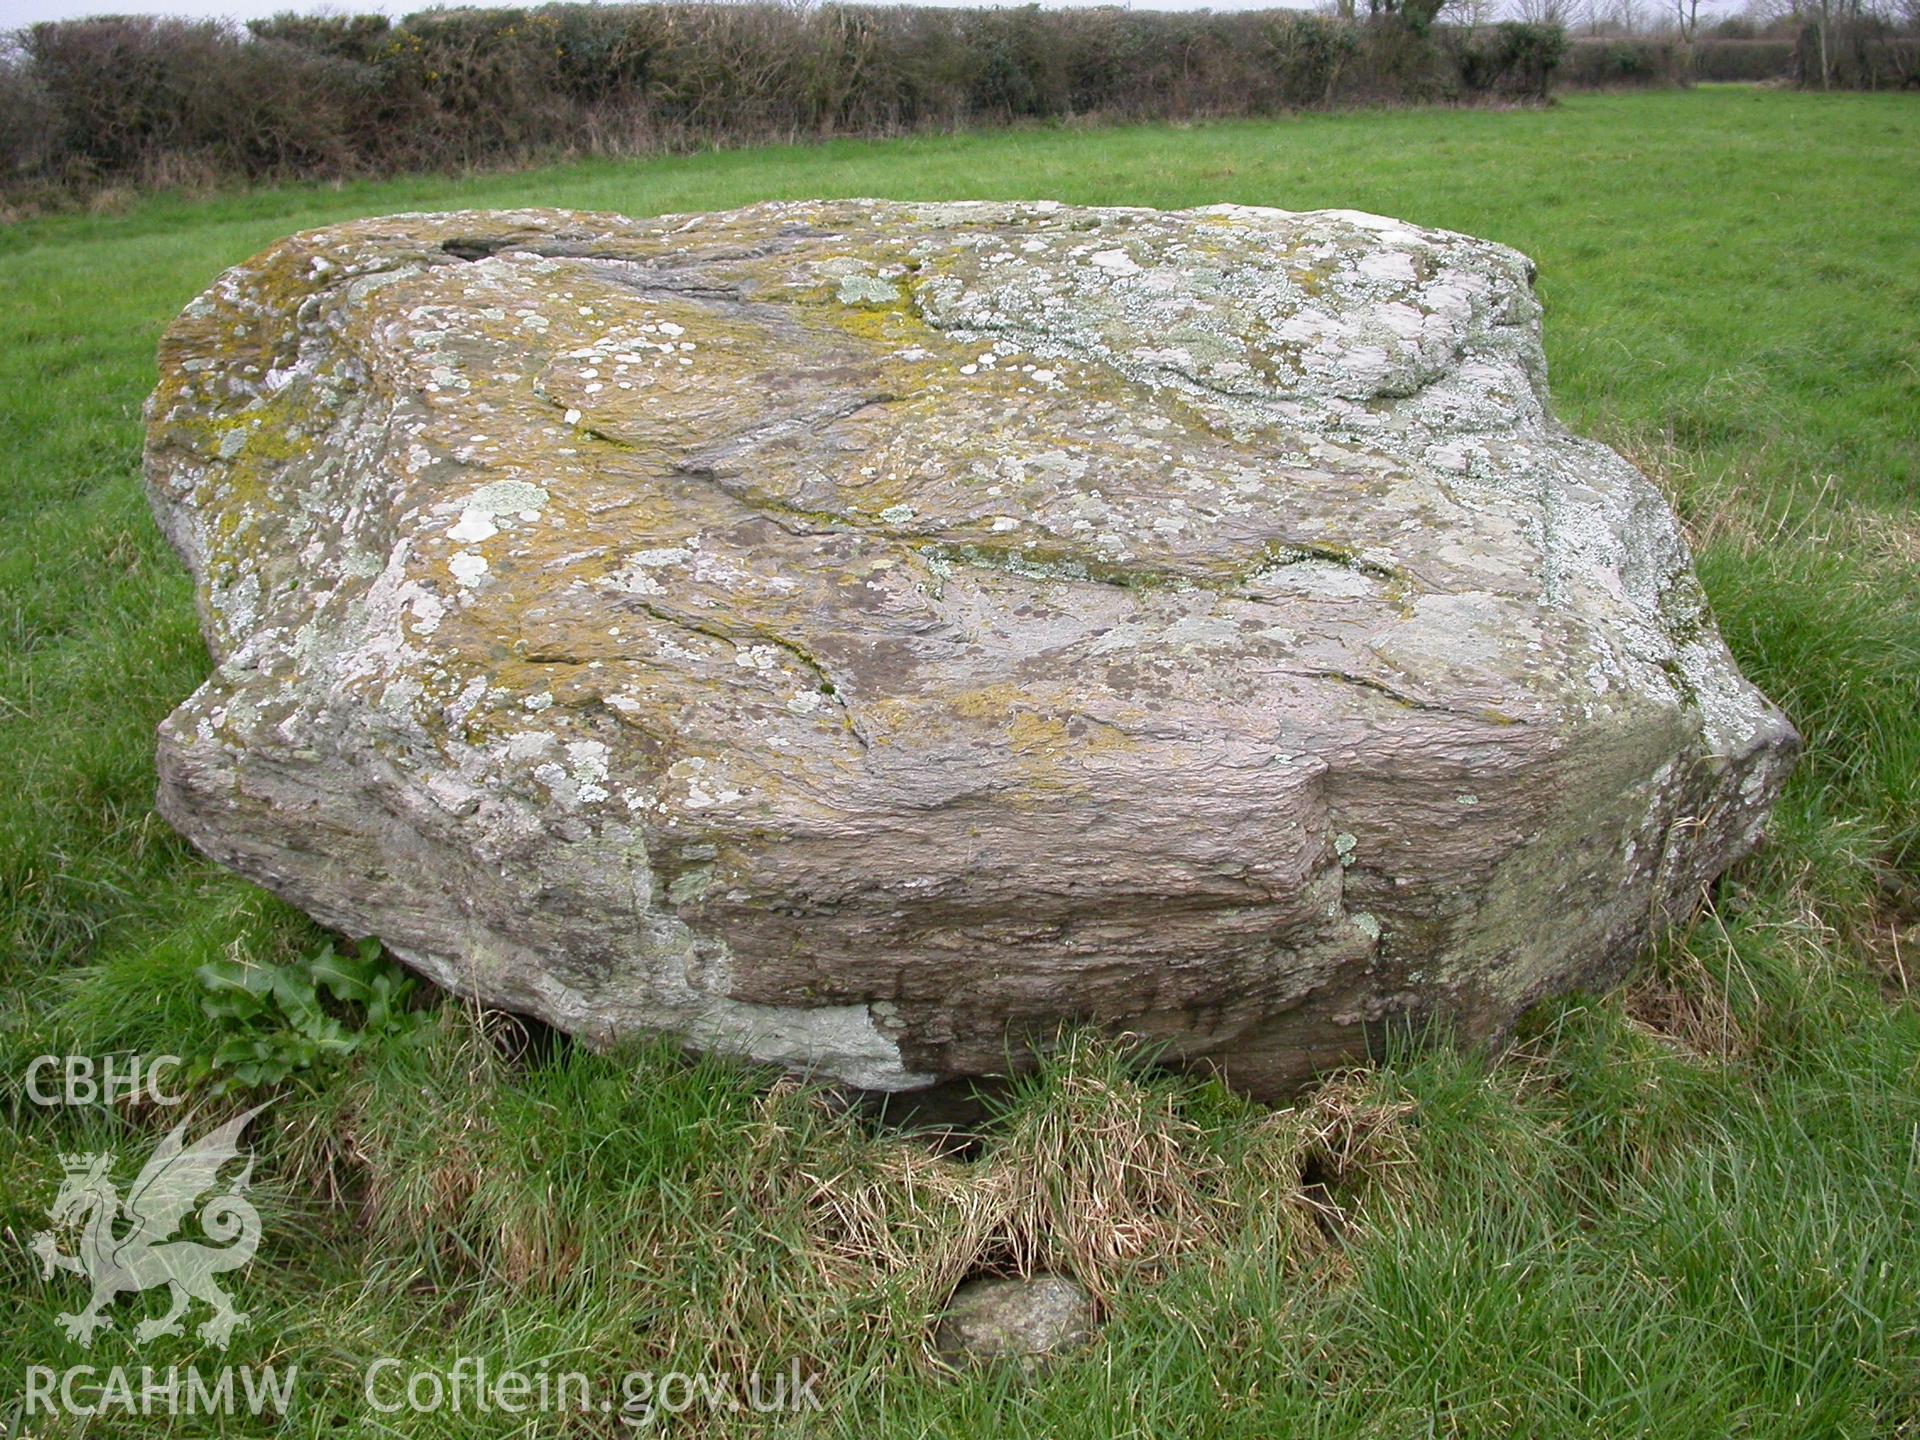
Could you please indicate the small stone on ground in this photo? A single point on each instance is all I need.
(1028, 1321)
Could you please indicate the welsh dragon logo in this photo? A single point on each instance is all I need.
(143, 1254)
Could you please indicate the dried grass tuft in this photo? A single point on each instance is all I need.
(1097, 1174)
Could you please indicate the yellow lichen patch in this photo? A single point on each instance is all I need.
(892, 325)
(272, 430)
(1032, 733)
(247, 453)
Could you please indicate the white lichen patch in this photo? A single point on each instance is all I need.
(507, 497)
(468, 567)
(867, 290)
(472, 527)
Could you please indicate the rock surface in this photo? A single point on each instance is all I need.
(1026, 1321)
(863, 636)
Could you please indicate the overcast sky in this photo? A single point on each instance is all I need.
(14, 13)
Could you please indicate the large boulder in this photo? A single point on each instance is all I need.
(865, 636)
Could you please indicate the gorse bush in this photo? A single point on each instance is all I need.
(1627, 62)
(169, 99)
(1737, 59)
(1515, 60)
(147, 100)
(1662, 61)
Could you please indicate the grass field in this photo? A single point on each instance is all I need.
(1688, 1209)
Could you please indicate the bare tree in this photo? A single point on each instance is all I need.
(1591, 17)
(1632, 16)
(1544, 12)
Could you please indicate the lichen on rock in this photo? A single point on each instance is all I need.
(865, 636)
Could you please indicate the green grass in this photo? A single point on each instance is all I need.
(1692, 1208)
